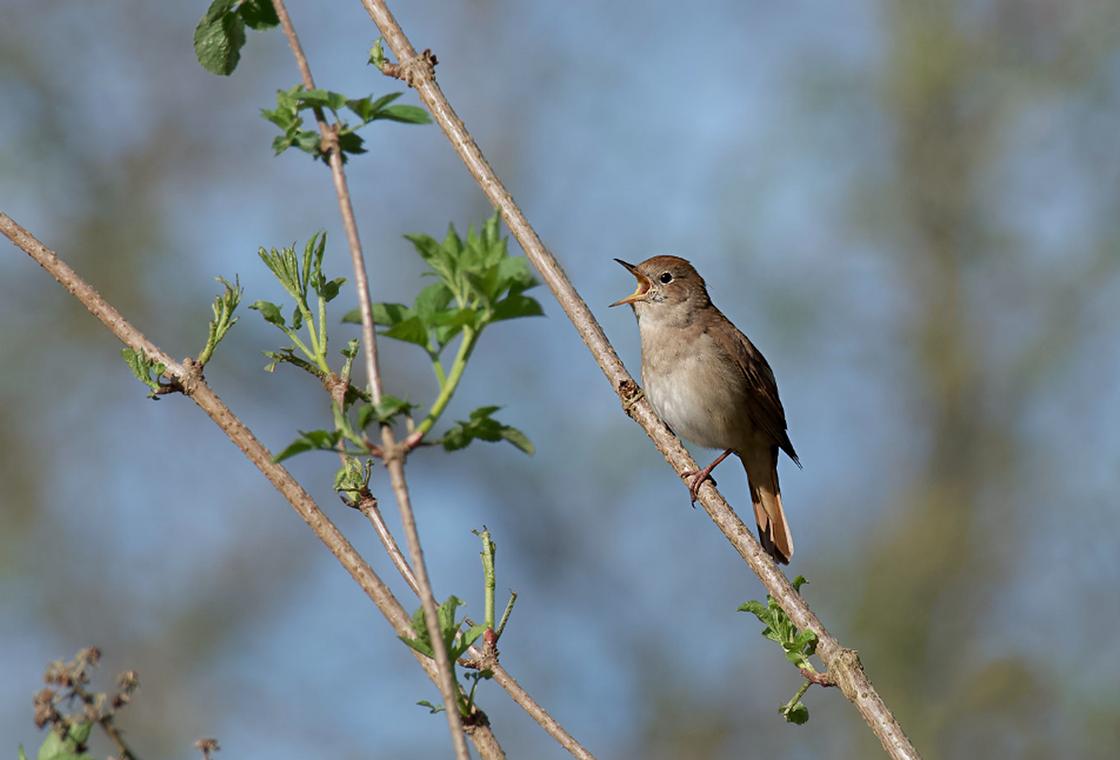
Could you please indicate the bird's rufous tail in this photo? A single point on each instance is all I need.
(761, 465)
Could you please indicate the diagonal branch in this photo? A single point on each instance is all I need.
(188, 375)
(419, 72)
(448, 688)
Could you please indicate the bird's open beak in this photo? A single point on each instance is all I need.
(639, 293)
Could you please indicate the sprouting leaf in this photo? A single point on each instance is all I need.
(431, 708)
(148, 371)
(313, 440)
(270, 312)
(796, 713)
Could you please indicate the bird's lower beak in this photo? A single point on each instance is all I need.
(639, 293)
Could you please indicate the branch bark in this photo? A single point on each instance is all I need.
(448, 687)
(189, 376)
(418, 71)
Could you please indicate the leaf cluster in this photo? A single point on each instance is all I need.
(483, 427)
(301, 277)
(291, 104)
(456, 642)
(220, 33)
(478, 283)
(798, 645)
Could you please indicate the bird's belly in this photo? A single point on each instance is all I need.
(700, 402)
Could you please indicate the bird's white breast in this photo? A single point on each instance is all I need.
(694, 387)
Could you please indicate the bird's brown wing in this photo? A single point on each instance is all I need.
(763, 405)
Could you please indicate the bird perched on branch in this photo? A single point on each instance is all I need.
(710, 385)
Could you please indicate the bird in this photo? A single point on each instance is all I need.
(710, 385)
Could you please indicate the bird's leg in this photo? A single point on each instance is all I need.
(697, 477)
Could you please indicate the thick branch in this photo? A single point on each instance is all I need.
(189, 376)
(843, 664)
(448, 688)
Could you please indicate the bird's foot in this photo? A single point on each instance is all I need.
(696, 479)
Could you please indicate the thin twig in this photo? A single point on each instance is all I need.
(449, 690)
(477, 657)
(189, 376)
(843, 664)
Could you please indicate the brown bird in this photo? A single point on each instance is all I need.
(710, 385)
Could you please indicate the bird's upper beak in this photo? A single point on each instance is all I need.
(639, 293)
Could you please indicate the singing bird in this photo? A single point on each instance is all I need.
(710, 385)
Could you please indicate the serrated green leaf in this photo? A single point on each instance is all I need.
(756, 608)
(515, 274)
(258, 14)
(405, 114)
(425, 245)
(270, 312)
(219, 37)
(512, 307)
(431, 300)
(411, 330)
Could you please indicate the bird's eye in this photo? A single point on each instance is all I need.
(666, 278)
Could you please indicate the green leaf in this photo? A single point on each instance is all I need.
(482, 426)
(431, 708)
(270, 312)
(313, 440)
(322, 98)
(258, 14)
(406, 114)
(21, 755)
(80, 732)
(797, 713)
(431, 300)
(329, 290)
(518, 439)
(512, 307)
(425, 245)
(411, 330)
(798, 582)
(219, 37)
(368, 109)
(515, 274)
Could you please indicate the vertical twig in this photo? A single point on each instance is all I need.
(447, 685)
(419, 72)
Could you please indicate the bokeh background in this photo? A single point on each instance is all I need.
(911, 207)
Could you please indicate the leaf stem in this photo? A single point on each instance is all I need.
(447, 386)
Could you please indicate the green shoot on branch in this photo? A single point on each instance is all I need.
(301, 277)
(223, 307)
(456, 641)
(291, 103)
(798, 646)
(146, 370)
(477, 284)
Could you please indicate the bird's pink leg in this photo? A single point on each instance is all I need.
(699, 476)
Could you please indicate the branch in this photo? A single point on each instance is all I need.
(447, 685)
(418, 71)
(188, 376)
